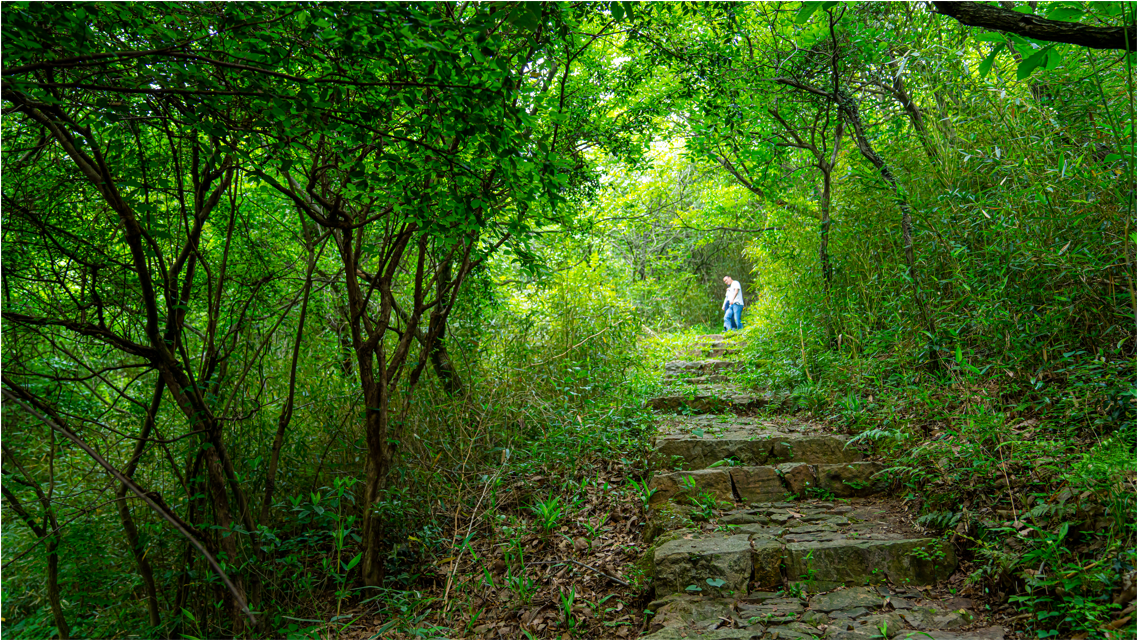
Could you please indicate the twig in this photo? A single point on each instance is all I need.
(580, 564)
(466, 540)
(570, 349)
(1008, 482)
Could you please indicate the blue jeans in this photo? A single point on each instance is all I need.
(733, 317)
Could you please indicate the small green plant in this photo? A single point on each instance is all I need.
(521, 585)
(594, 529)
(705, 505)
(641, 488)
(549, 512)
(931, 552)
(819, 493)
(796, 590)
(567, 600)
(726, 462)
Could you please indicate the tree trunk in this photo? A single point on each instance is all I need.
(380, 455)
(145, 571)
(53, 587)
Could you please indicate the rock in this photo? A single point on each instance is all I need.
(678, 368)
(647, 562)
(865, 627)
(814, 449)
(692, 611)
(756, 484)
(850, 480)
(767, 558)
(792, 631)
(709, 399)
(846, 599)
(890, 622)
(680, 633)
(681, 563)
(734, 634)
(851, 614)
(667, 517)
(853, 562)
(798, 477)
(749, 444)
(815, 618)
(926, 617)
(987, 633)
(677, 486)
(900, 603)
(744, 518)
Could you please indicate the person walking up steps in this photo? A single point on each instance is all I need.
(732, 305)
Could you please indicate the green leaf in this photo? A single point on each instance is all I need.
(716, 582)
(1054, 59)
(807, 10)
(1064, 13)
(1032, 62)
(692, 587)
(617, 11)
(354, 561)
(991, 37)
(986, 65)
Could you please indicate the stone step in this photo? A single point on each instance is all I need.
(713, 346)
(738, 447)
(713, 398)
(714, 379)
(815, 546)
(699, 372)
(856, 613)
(700, 367)
(750, 484)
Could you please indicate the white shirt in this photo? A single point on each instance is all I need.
(734, 294)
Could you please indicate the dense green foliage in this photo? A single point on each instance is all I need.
(320, 281)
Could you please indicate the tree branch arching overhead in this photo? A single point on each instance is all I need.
(975, 14)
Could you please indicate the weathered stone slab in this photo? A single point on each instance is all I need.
(771, 611)
(665, 517)
(744, 518)
(865, 627)
(682, 633)
(926, 617)
(754, 448)
(815, 449)
(691, 611)
(677, 486)
(792, 631)
(767, 558)
(682, 563)
(688, 368)
(844, 599)
(755, 484)
(798, 476)
(832, 563)
(987, 633)
(854, 479)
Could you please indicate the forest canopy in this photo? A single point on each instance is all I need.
(260, 255)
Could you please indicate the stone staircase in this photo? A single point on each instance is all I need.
(774, 528)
